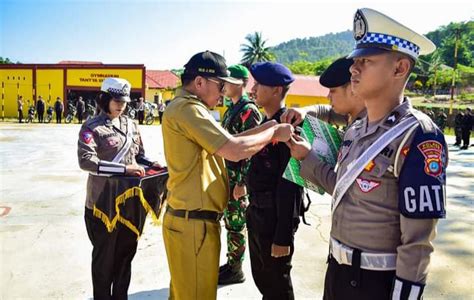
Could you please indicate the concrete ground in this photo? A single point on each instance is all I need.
(45, 252)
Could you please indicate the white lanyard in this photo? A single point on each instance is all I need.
(358, 166)
(128, 143)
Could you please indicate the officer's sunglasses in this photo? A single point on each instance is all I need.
(220, 83)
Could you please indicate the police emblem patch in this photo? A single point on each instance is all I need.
(87, 137)
(367, 185)
(432, 151)
(360, 25)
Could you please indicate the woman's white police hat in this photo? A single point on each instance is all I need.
(376, 33)
(118, 88)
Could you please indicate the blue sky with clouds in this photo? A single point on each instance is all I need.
(165, 34)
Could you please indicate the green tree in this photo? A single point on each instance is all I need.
(445, 40)
(302, 67)
(5, 60)
(322, 65)
(254, 50)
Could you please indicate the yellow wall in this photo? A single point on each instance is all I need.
(11, 78)
(301, 101)
(165, 94)
(45, 78)
(94, 77)
(55, 78)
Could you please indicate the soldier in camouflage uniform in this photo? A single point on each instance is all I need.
(241, 115)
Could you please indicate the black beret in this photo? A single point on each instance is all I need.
(337, 74)
(271, 74)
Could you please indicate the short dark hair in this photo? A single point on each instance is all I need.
(186, 79)
(103, 100)
(285, 90)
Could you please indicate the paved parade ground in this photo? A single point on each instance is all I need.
(45, 252)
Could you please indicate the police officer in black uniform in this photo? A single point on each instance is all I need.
(273, 213)
(40, 105)
(458, 120)
(466, 127)
(58, 108)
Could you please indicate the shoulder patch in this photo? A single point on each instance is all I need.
(422, 178)
(87, 136)
(432, 151)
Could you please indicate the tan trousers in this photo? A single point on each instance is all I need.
(192, 248)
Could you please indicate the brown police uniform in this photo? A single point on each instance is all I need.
(100, 139)
(390, 210)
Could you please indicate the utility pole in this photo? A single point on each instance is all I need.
(454, 69)
(3, 101)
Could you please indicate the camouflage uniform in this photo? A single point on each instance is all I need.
(247, 117)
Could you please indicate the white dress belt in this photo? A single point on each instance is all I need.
(368, 261)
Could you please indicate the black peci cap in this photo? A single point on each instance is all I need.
(337, 74)
(206, 64)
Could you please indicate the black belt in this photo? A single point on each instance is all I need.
(194, 214)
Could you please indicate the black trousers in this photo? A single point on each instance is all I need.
(351, 282)
(458, 133)
(40, 116)
(79, 117)
(20, 116)
(141, 116)
(160, 116)
(112, 256)
(271, 275)
(466, 135)
(59, 115)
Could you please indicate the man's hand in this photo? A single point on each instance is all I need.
(283, 132)
(134, 170)
(294, 116)
(280, 251)
(299, 147)
(239, 191)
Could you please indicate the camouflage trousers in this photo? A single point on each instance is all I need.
(234, 218)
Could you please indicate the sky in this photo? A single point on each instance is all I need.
(165, 34)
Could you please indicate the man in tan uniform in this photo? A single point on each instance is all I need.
(195, 148)
(389, 187)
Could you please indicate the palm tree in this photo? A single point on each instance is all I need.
(255, 50)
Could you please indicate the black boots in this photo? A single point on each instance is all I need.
(229, 274)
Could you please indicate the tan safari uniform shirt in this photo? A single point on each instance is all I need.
(100, 140)
(369, 217)
(198, 178)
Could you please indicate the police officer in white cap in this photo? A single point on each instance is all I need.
(110, 144)
(389, 187)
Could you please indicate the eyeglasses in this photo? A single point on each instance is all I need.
(221, 84)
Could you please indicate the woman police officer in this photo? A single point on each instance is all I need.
(110, 144)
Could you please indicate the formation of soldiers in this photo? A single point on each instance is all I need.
(388, 186)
